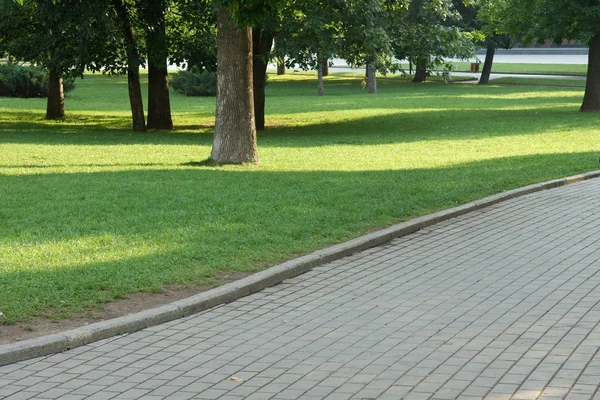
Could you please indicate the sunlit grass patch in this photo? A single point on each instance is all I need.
(92, 211)
(579, 83)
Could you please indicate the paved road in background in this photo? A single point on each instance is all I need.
(556, 58)
(501, 303)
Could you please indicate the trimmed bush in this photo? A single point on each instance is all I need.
(20, 81)
(192, 83)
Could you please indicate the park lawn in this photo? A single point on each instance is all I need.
(509, 80)
(528, 68)
(91, 211)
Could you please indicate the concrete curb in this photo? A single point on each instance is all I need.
(57, 343)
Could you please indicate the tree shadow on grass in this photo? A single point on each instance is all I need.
(394, 93)
(78, 238)
(448, 125)
(401, 126)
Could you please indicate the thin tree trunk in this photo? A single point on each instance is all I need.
(325, 67)
(371, 78)
(261, 48)
(420, 70)
(591, 98)
(280, 58)
(487, 64)
(55, 108)
(159, 105)
(235, 131)
(133, 69)
(280, 67)
(321, 89)
(135, 98)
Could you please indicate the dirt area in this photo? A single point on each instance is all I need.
(134, 302)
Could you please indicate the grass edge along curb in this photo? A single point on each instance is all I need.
(56, 343)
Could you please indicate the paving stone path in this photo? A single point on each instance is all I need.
(502, 303)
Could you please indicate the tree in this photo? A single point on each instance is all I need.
(365, 40)
(573, 20)
(192, 34)
(311, 34)
(555, 20)
(235, 133)
(429, 34)
(49, 34)
(263, 37)
(483, 20)
(493, 42)
(124, 15)
(154, 23)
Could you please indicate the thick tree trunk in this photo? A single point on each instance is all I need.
(280, 68)
(420, 70)
(133, 69)
(371, 78)
(487, 64)
(321, 86)
(235, 132)
(55, 108)
(159, 105)
(591, 98)
(325, 67)
(261, 48)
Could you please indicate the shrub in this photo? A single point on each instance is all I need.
(20, 81)
(193, 83)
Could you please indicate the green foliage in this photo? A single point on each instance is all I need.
(429, 31)
(543, 19)
(192, 34)
(311, 32)
(61, 35)
(365, 35)
(249, 12)
(192, 83)
(20, 81)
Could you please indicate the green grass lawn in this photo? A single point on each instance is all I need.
(525, 68)
(91, 211)
(575, 83)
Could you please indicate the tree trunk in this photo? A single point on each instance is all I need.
(235, 131)
(280, 58)
(325, 67)
(135, 98)
(420, 70)
(133, 69)
(55, 108)
(321, 89)
(159, 105)
(371, 78)
(487, 64)
(280, 67)
(261, 48)
(591, 98)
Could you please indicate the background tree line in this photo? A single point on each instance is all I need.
(238, 38)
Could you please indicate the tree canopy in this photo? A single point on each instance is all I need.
(557, 20)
